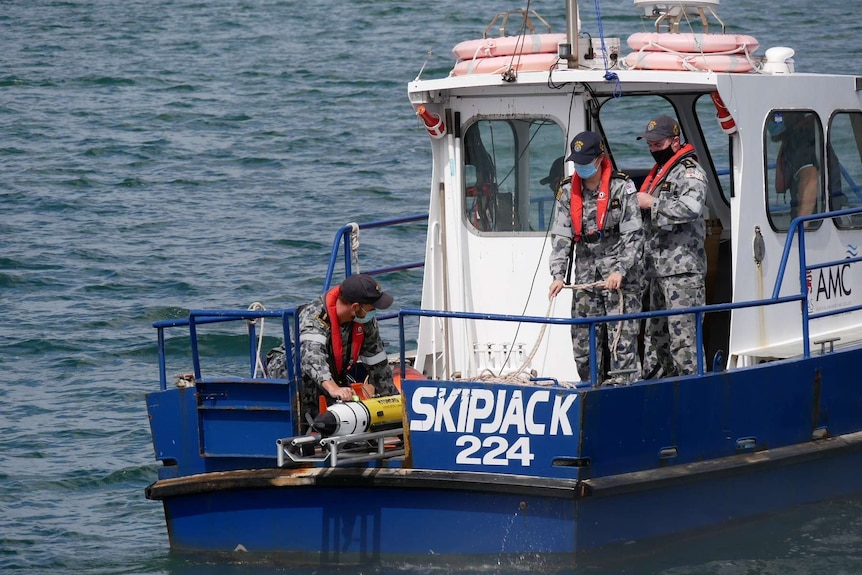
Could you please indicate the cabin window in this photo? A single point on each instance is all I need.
(507, 166)
(793, 140)
(844, 166)
(622, 119)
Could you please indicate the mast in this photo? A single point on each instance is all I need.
(571, 33)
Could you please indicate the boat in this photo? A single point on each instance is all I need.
(495, 450)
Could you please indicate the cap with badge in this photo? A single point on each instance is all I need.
(586, 147)
(659, 128)
(362, 288)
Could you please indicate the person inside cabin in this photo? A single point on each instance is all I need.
(797, 166)
(672, 199)
(337, 331)
(555, 175)
(597, 221)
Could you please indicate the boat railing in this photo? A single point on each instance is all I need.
(347, 241)
(252, 317)
(593, 323)
(797, 231)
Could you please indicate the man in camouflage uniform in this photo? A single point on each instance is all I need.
(672, 198)
(328, 357)
(596, 212)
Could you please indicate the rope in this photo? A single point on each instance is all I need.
(521, 375)
(609, 76)
(354, 246)
(620, 311)
(259, 368)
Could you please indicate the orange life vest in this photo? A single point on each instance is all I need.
(577, 200)
(651, 182)
(357, 337)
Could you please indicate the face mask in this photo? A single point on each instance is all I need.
(662, 156)
(587, 171)
(369, 315)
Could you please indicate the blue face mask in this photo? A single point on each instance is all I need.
(586, 171)
(369, 315)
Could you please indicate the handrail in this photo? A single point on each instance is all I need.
(343, 237)
(698, 311)
(797, 227)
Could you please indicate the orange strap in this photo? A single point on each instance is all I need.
(577, 200)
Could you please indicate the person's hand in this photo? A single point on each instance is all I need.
(556, 287)
(337, 392)
(614, 281)
(644, 201)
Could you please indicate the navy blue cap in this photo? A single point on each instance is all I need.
(586, 147)
(659, 128)
(362, 288)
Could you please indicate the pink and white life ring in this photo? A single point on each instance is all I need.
(693, 62)
(692, 43)
(501, 64)
(508, 45)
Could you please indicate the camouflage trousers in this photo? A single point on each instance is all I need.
(275, 362)
(625, 365)
(670, 342)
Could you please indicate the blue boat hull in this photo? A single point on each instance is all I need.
(352, 515)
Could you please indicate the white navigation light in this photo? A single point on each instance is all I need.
(778, 60)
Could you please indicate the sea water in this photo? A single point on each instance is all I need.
(164, 155)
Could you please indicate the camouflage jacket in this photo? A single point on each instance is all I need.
(619, 250)
(317, 361)
(675, 230)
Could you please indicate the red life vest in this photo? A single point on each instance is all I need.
(356, 339)
(651, 182)
(577, 200)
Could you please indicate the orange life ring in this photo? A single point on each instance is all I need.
(691, 62)
(501, 64)
(692, 43)
(508, 45)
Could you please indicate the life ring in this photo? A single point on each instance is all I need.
(691, 62)
(692, 43)
(508, 45)
(501, 64)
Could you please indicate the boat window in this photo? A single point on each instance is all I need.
(507, 174)
(794, 157)
(621, 120)
(844, 166)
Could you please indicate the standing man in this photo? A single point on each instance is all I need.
(596, 212)
(672, 199)
(337, 331)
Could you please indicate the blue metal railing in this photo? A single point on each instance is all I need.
(290, 321)
(796, 227)
(288, 316)
(343, 239)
